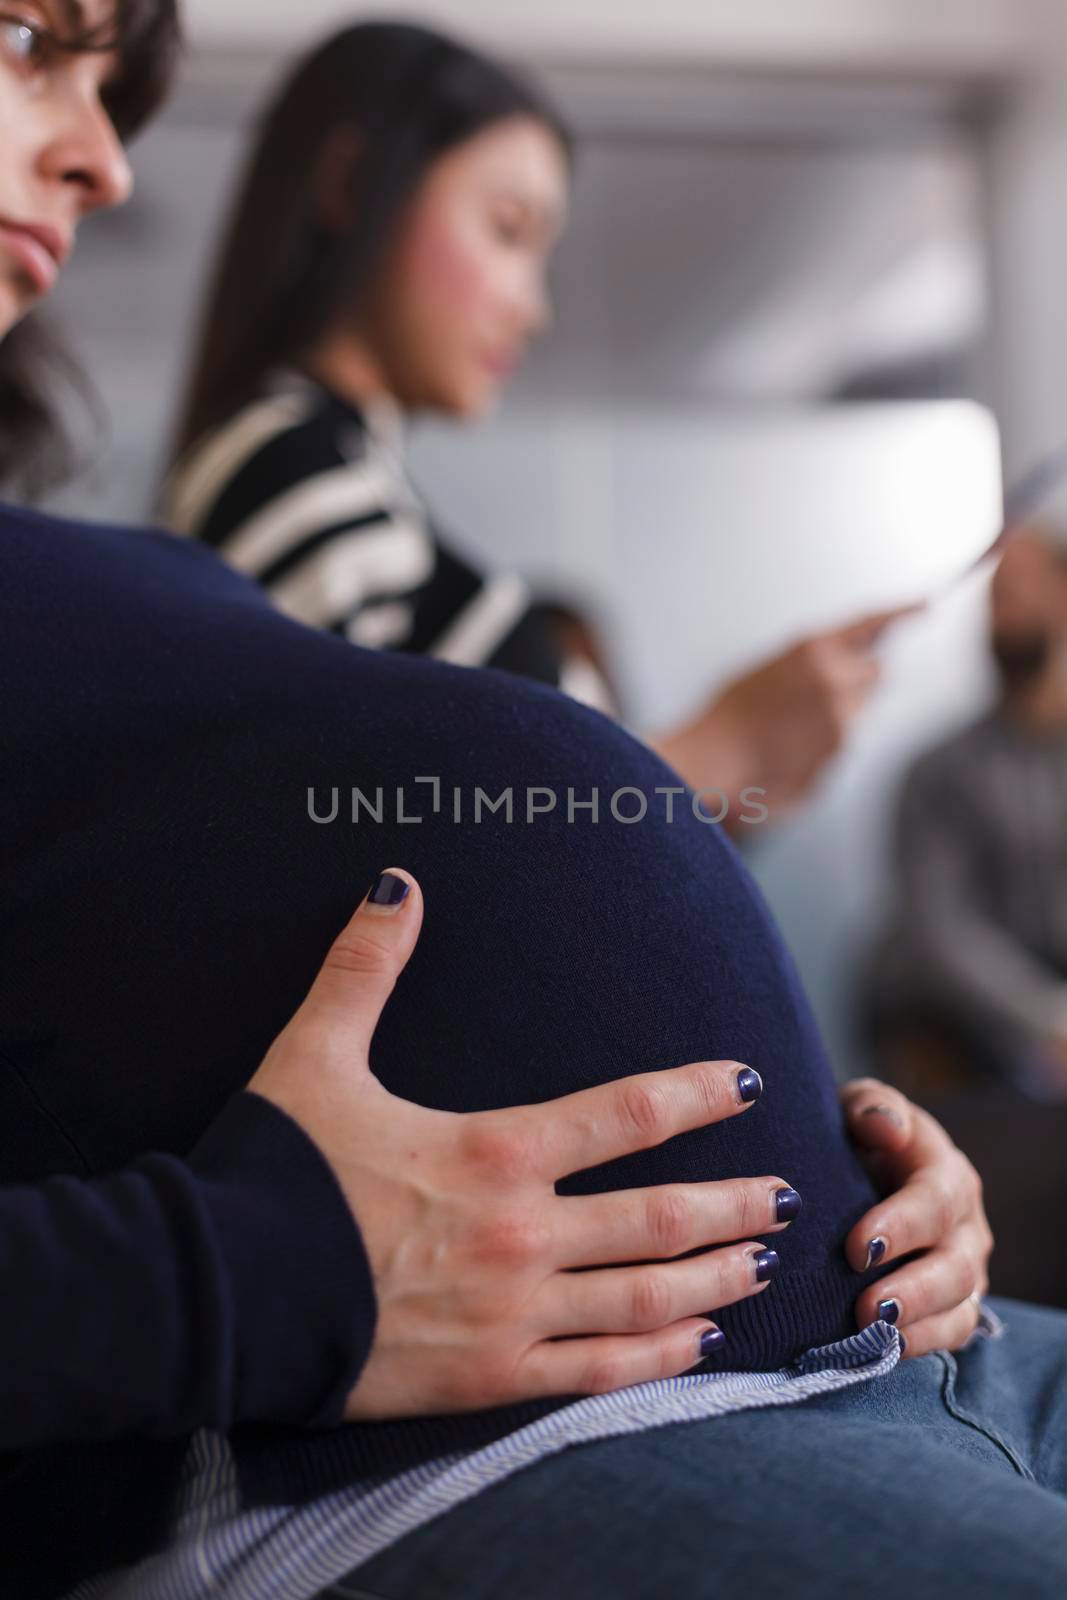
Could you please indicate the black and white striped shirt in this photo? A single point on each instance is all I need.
(309, 496)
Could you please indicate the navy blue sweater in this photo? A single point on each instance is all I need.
(167, 898)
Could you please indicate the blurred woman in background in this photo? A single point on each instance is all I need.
(387, 256)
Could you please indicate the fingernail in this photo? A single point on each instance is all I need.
(888, 1310)
(389, 890)
(875, 1251)
(884, 1111)
(749, 1084)
(766, 1265)
(787, 1204)
(712, 1341)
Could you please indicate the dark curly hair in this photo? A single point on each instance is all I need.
(35, 448)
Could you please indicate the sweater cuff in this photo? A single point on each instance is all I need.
(302, 1293)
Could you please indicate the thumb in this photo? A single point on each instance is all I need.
(368, 955)
(863, 635)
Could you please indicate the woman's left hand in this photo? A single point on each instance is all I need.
(934, 1205)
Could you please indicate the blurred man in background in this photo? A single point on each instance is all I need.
(969, 987)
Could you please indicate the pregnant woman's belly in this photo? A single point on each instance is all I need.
(183, 867)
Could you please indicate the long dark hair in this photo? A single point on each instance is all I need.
(282, 280)
(35, 448)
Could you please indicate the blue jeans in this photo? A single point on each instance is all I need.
(946, 1478)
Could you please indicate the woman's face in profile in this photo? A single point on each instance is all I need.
(62, 156)
(463, 288)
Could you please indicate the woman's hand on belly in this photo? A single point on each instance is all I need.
(477, 1261)
(933, 1206)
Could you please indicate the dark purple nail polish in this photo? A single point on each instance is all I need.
(888, 1310)
(712, 1341)
(749, 1084)
(787, 1204)
(875, 1251)
(766, 1265)
(884, 1111)
(389, 890)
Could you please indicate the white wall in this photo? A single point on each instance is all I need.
(1028, 219)
(954, 36)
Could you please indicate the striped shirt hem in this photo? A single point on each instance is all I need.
(293, 1552)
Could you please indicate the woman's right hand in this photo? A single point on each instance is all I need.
(473, 1253)
(772, 730)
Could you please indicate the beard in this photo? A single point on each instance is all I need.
(1021, 658)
